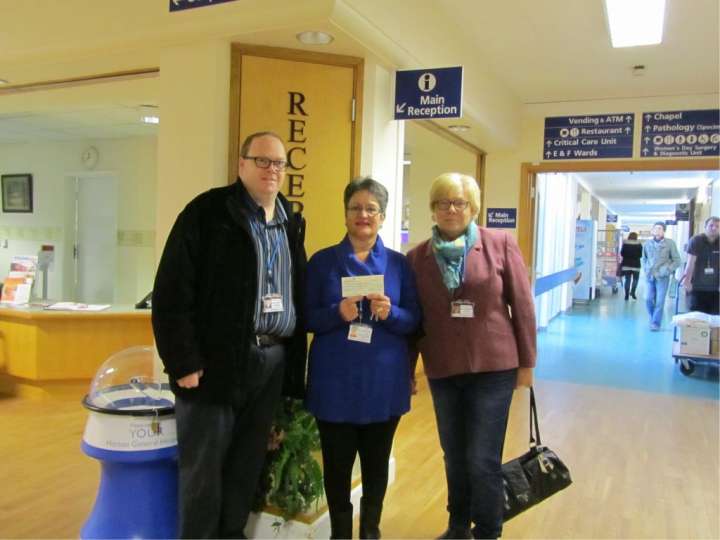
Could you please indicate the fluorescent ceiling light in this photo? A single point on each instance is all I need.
(150, 119)
(635, 22)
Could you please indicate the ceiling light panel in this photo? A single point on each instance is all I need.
(634, 23)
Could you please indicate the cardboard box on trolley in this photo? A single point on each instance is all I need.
(699, 333)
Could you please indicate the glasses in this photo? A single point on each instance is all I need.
(370, 211)
(264, 163)
(445, 204)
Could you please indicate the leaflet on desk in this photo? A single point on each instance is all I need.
(75, 306)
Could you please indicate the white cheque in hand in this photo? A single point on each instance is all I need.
(363, 285)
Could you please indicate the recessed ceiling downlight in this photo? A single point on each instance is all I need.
(312, 37)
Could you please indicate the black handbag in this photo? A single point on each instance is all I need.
(534, 476)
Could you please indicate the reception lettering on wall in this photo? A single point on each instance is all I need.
(296, 137)
(308, 105)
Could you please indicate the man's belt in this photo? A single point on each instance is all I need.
(268, 340)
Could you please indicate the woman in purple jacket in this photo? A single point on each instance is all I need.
(478, 346)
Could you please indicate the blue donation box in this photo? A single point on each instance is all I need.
(131, 431)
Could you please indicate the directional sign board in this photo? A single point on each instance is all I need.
(589, 136)
(428, 93)
(681, 134)
(611, 218)
(501, 218)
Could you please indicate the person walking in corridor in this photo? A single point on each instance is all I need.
(631, 253)
(660, 258)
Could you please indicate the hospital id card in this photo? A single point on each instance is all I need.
(272, 303)
(462, 309)
(360, 332)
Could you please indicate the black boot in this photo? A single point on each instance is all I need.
(463, 533)
(369, 519)
(341, 524)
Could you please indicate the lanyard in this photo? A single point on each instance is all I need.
(271, 251)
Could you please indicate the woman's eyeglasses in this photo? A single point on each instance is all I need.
(444, 204)
(370, 211)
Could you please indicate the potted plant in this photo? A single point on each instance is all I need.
(291, 481)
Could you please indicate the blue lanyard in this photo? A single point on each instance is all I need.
(272, 253)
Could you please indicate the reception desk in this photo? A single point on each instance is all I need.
(41, 348)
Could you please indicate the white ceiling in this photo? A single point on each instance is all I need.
(646, 196)
(111, 122)
(514, 52)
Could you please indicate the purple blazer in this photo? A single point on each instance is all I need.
(502, 335)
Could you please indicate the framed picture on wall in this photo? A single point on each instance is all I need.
(17, 194)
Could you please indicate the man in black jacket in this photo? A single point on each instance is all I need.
(702, 274)
(226, 306)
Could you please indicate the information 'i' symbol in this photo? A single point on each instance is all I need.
(427, 82)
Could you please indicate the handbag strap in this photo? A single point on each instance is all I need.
(534, 436)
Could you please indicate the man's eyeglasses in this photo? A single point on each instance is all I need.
(370, 211)
(264, 163)
(445, 204)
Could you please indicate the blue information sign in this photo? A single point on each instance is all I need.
(611, 218)
(501, 218)
(681, 134)
(179, 5)
(682, 212)
(428, 93)
(589, 136)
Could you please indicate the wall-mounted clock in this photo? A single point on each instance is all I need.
(90, 157)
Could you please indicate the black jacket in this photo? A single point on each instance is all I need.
(631, 253)
(206, 290)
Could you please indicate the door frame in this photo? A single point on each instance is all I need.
(296, 55)
(528, 177)
(480, 155)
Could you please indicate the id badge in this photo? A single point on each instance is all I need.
(709, 271)
(272, 303)
(462, 309)
(360, 332)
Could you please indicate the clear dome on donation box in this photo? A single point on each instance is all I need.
(129, 382)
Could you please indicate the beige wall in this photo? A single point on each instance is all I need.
(194, 94)
(132, 160)
(502, 177)
(431, 155)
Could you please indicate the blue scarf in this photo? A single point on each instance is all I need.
(450, 256)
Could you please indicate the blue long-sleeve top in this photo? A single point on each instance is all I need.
(350, 381)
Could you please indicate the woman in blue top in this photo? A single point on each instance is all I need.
(359, 374)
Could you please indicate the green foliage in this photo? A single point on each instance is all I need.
(292, 479)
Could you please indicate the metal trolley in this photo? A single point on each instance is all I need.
(608, 250)
(688, 362)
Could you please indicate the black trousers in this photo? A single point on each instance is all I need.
(340, 444)
(631, 276)
(222, 449)
(705, 301)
